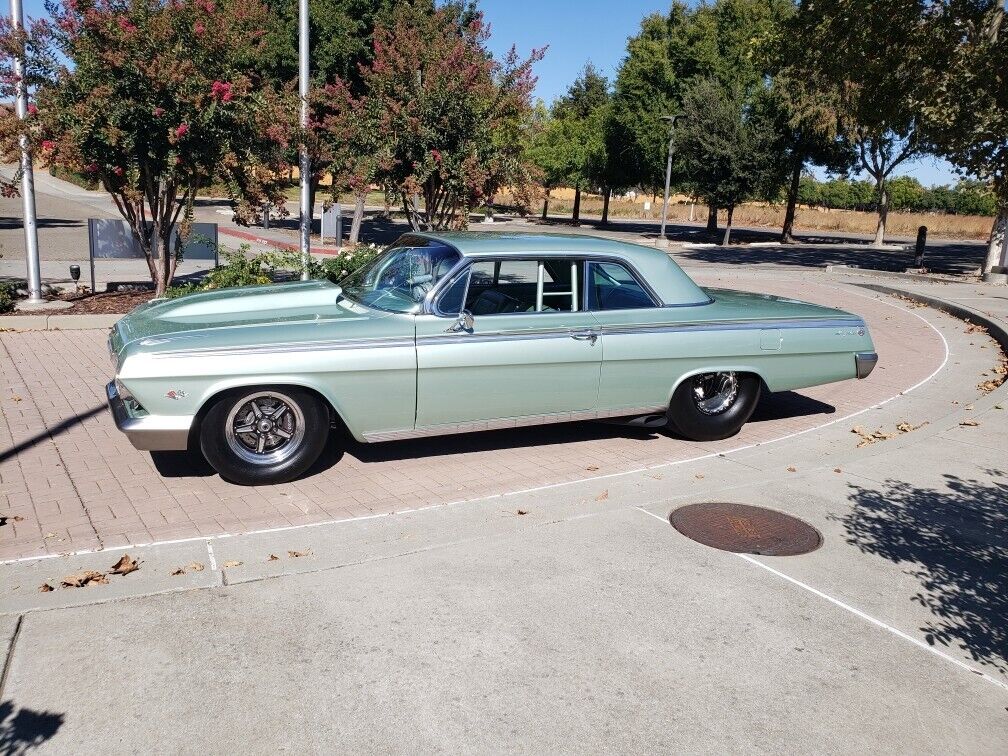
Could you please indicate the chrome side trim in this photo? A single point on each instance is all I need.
(732, 325)
(508, 422)
(300, 346)
(864, 363)
(515, 335)
(149, 432)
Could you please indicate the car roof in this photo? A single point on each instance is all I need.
(661, 272)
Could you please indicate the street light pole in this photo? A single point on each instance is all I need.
(27, 176)
(668, 171)
(304, 160)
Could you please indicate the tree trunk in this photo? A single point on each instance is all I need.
(883, 213)
(358, 217)
(576, 218)
(711, 219)
(997, 245)
(787, 235)
(727, 230)
(606, 191)
(545, 204)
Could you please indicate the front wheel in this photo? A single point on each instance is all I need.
(713, 406)
(258, 436)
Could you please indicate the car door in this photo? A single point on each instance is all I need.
(529, 354)
(640, 357)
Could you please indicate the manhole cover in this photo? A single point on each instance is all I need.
(745, 530)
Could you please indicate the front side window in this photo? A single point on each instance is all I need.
(611, 286)
(500, 287)
(400, 279)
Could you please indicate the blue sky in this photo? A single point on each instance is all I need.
(578, 31)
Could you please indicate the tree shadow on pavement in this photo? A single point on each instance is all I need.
(27, 729)
(955, 542)
(50, 433)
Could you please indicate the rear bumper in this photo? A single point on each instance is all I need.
(149, 432)
(864, 363)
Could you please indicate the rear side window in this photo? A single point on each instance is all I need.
(611, 286)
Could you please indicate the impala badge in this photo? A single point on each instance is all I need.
(176, 394)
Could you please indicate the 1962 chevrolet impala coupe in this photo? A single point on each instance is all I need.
(448, 333)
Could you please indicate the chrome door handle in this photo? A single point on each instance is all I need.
(584, 336)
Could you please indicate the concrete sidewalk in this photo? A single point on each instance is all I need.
(570, 617)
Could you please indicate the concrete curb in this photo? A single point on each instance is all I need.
(996, 330)
(80, 322)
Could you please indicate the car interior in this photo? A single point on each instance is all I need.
(498, 287)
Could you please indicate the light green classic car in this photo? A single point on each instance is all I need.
(457, 332)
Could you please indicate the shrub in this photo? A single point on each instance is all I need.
(7, 295)
(243, 269)
(78, 179)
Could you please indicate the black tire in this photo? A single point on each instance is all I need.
(241, 457)
(686, 411)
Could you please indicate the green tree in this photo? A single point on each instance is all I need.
(858, 64)
(965, 113)
(727, 41)
(729, 148)
(576, 131)
(156, 99)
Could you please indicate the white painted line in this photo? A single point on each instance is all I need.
(877, 622)
(210, 554)
(858, 613)
(535, 489)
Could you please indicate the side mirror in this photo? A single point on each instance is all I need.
(465, 323)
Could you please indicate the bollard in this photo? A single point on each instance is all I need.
(266, 214)
(921, 242)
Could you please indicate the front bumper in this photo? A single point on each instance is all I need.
(864, 363)
(149, 432)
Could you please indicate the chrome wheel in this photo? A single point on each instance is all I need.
(265, 428)
(714, 393)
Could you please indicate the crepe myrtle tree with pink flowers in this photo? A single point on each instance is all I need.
(437, 116)
(156, 98)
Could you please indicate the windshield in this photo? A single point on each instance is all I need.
(399, 280)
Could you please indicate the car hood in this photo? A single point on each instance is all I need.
(729, 304)
(277, 313)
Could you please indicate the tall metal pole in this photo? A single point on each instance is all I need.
(27, 176)
(668, 181)
(305, 161)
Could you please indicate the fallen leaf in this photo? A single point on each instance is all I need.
(658, 476)
(16, 398)
(698, 476)
(273, 558)
(297, 554)
(125, 565)
(195, 566)
(969, 423)
(592, 468)
(177, 571)
(523, 511)
(233, 563)
(86, 577)
(792, 469)
(837, 470)
(18, 518)
(998, 406)
(603, 496)
(45, 588)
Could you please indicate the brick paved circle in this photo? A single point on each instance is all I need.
(90, 489)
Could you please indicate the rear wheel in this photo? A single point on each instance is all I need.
(264, 435)
(713, 406)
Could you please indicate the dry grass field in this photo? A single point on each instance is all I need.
(772, 216)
